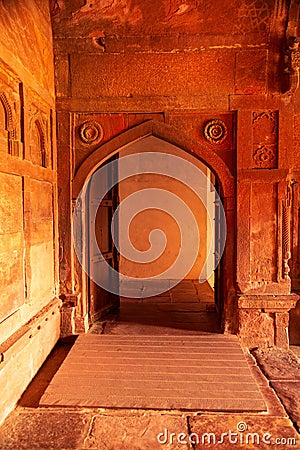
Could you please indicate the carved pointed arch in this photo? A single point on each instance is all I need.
(161, 131)
(38, 150)
(10, 126)
(42, 141)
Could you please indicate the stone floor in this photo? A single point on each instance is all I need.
(33, 427)
(188, 308)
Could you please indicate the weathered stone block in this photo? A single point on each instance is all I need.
(26, 357)
(288, 392)
(12, 289)
(152, 74)
(112, 431)
(42, 272)
(11, 206)
(36, 39)
(294, 326)
(41, 200)
(251, 431)
(256, 328)
(251, 72)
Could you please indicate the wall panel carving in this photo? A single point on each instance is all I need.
(10, 113)
(286, 233)
(39, 139)
(264, 139)
(254, 14)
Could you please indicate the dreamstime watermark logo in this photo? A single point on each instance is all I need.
(156, 163)
(240, 436)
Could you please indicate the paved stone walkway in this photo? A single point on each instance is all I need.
(197, 373)
(34, 428)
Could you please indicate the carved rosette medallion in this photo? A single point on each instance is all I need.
(264, 157)
(215, 131)
(91, 132)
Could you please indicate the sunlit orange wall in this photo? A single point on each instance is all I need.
(146, 221)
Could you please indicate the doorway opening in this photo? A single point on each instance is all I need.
(133, 242)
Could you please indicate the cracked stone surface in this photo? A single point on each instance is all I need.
(282, 368)
(266, 429)
(288, 392)
(134, 432)
(278, 364)
(41, 429)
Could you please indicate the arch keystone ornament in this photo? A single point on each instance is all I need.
(91, 132)
(215, 131)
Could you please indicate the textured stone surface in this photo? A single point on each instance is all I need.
(278, 364)
(30, 427)
(283, 370)
(43, 430)
(251, 79)
(256, 328)
(294, 327)
(250, 432)
(151, 74)
(184, 64)
(124, 63)
(24, 354)
(11, 204)
(156, 372)
(138, 431)
(35, 50)
(27, 206)
(288, 392)
(164, 18)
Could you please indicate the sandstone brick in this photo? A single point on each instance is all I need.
(251, 77)
(288, 392)
(243, 426)
(42, 271)
(35, 42)
(11, 209)
(152, 74)
(27, 355)
(116, 432)
(41, 201)
(44, 429)
(12, 288)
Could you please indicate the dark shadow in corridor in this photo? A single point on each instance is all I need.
(188, 308)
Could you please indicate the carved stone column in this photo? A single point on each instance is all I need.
(286, 234)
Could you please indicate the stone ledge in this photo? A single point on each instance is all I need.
(274, 303)
(19, 339)
(24, 353)
(282, 368)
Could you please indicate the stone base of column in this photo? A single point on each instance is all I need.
(264, 319)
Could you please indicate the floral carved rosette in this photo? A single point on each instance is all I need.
(264, 157)
(215, 131)
(91, 132)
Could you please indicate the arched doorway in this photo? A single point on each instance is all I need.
(166, 139)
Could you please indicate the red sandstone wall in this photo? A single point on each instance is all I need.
(182, 64)
(28, 211)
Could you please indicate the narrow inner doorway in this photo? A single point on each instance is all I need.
(150, 297)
